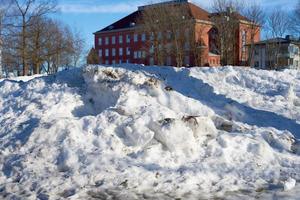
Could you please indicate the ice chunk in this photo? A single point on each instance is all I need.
(289, 184)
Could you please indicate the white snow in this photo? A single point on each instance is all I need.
(136, 132)
(289, 184)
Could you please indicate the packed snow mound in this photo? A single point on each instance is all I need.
(135, 132)
(275, 91)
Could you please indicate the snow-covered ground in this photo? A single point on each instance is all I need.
(136, 132)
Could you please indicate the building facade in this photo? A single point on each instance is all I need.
(277, 53)
(120, 42)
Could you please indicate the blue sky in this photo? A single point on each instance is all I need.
(88, 16)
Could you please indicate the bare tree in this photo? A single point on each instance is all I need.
(277, 26)
(22, 15)
(296, 19)
(256, 16)
(171, 30)
(225, 18)
(62, 47)
(4, 4)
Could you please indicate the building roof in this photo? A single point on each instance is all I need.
(131, 20)
(288, 39)
(198, 13)
(235, 14)
(123, 23)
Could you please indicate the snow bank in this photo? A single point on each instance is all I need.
(134, 132)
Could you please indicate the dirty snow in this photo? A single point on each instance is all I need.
(136, 132)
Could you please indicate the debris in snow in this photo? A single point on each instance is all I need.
(168, 88)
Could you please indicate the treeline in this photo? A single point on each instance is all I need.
(32, 42)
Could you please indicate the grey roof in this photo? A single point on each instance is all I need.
(286, 40)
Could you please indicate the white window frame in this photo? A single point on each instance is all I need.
(128, 38)
(106, 52)
(187, 60)
(113, 52)
(135, 37)
(135, 54)
(120, 51)
(139, 54)
(128, 51)
(143, 37)
(100, 41)
(100, 53)
(106, 40)
(169, 61)
(120, 39)
(151, 61)
(113, 40)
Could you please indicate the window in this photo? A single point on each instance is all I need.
(100, 52)
(187, 60)
(151, 50)
(169, 61)
(113, 40)
(187, 33)
(120, 51)
(244, 38)
(151, 36)
(159, 35)
(169, 35)
(120, 61)
(256, 64)
(127, 61)
(151, 61)
(128, 38)
(128, 51)
(106, 52)
(143, 54)
(107, 40)
(113, 62)
(144, 37)
(121, 39)
(135, 37)
(135, 55)
(139, 54)
(106, 62)
(186, 45)
(113, 52)
(99, 41)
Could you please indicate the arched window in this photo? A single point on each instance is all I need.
(213, 36)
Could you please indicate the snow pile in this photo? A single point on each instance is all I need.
(134, 132)
(275, 91)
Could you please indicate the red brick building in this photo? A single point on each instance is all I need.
(121, 43)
